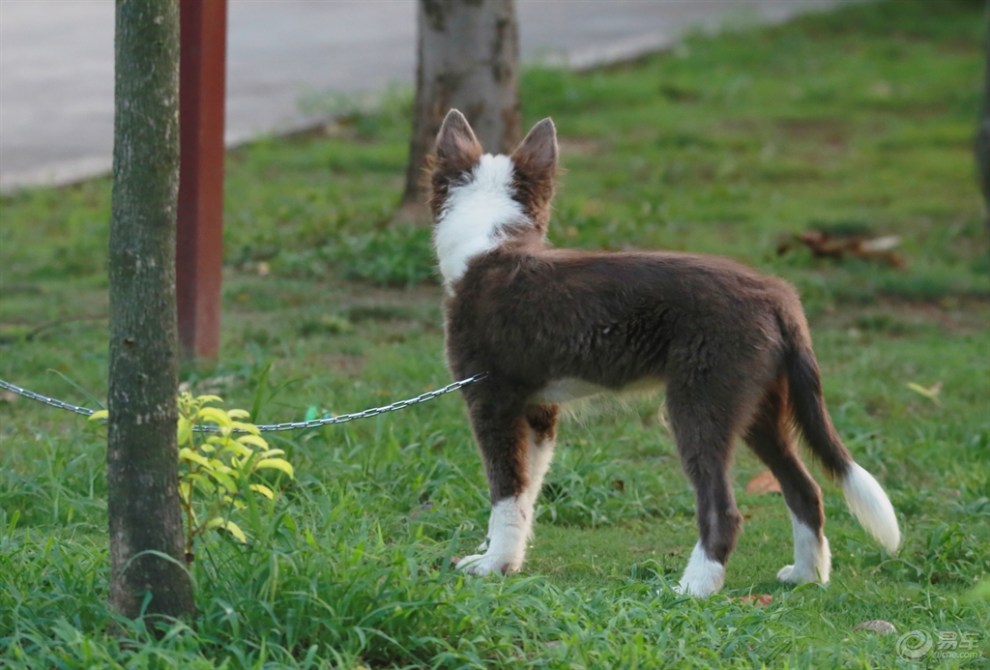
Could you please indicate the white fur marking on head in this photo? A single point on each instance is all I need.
(812, 559)
(871, 506)
(703, 576)
(471, 219)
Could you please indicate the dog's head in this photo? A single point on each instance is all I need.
(480, 201)
(526, 177)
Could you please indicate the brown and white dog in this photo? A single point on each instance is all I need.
(551, 325)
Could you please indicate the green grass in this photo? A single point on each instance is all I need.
(862, 118)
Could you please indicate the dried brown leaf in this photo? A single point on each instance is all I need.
(838, 246)
(763, 484)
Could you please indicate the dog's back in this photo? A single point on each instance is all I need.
(537, 314)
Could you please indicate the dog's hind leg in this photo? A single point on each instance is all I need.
(704, 441)
(516, 444)
(770, 437)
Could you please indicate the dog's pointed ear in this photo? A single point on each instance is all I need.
(536, 155)
(457, 146)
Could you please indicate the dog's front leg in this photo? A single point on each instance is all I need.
(517, 453)
(510, 525)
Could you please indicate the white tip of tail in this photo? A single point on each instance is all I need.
(870, 505)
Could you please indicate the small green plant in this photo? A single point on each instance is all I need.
(219, 467)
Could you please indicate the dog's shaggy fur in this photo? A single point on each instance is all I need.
(551, 325)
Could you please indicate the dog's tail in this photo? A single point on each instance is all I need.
(864, 495)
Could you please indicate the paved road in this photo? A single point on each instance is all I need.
(56, 62)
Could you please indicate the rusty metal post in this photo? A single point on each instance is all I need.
(199, 231)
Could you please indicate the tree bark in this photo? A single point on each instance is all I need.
(982, 143)
(467, 57)
(148, 577)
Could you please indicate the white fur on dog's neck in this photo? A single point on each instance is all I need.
(472, 218)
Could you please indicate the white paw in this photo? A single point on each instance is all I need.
(702, 577)
(504, 549)
(486, 564)
(812, 558)
(789, 574)
(792, 574)
(699, 588)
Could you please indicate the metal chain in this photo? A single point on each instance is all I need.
(85, 411)
(272, 427)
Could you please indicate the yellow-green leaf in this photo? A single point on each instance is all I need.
(187, 454)
(220, 442)
(185, 430)
(206, 399)
(99, 415)
(253, 441)
(275, 464)
(245, 427)
(272, 452)
(214, 415)
(237, 449)
(238, 414)
(263, 490)
(224, 480)
(229, 526)
(202, 483)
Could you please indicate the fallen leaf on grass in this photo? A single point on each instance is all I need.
(838, 246)
(930, 392)
(760, 600)
(876, 626)
(763, 484)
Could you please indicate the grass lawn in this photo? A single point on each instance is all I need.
(859, 120)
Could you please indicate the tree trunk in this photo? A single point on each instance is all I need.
(146, 557)
(467, 57)
(982, 143)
